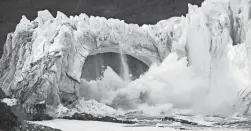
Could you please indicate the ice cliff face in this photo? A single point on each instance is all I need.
(43, 59)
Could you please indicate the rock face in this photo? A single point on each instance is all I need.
(2, 94)
(10, 122)
(7, 119)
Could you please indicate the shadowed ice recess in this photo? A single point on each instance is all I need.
(126, 66)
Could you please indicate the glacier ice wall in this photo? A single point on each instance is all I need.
(194, 62)
(43, 59)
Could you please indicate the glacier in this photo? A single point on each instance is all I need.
(200, 62)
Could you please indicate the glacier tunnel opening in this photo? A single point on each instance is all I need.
(96, 64)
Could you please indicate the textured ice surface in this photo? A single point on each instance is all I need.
(95, 108)
(9, 102)
(48, 54)
(193, 63)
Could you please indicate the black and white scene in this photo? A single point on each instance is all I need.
(125, 65)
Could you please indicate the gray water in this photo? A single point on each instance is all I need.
(190, 122)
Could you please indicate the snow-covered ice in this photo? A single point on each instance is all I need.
(95, 108)
(10, 102)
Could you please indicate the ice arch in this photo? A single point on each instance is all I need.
(43, 58)
(142, 58)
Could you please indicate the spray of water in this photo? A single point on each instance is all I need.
(208, 85)
(170, 85)
(124, 67)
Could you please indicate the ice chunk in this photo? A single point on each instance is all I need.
(10, 102)
(95, 108)
(44, 15)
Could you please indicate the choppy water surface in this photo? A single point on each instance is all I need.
(190, 122)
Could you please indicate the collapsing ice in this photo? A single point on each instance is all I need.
(200, 62)
(210, 82)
